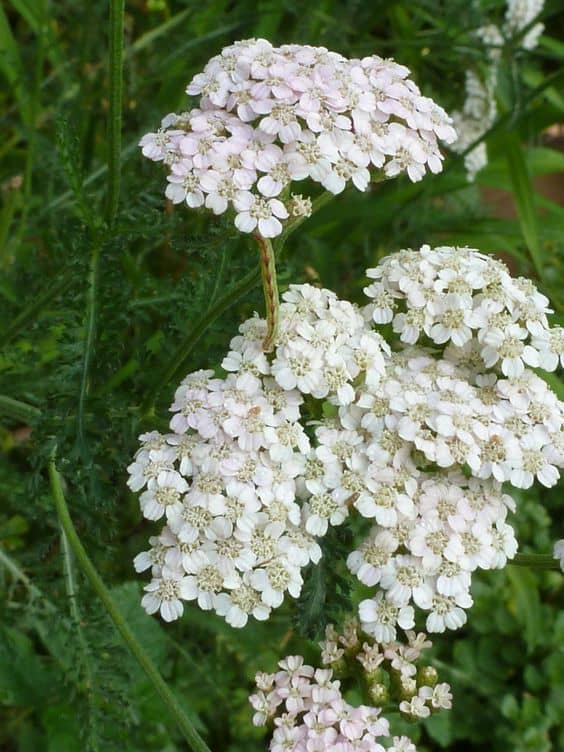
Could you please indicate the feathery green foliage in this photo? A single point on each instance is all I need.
(107, 296)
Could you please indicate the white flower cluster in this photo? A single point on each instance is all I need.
(431, 445)
(310, 713)
(225, 481)
(518, 16)
(307, 707)
(480, 110)
(229, 476)
(419, 442)
(269, 117)
(469, 299)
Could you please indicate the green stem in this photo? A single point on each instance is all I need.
(27, 315)
(116, 96)
(194, 740)
(267, 263)
(18, 410)
(536, 561)
(71, 588)
(90, 338)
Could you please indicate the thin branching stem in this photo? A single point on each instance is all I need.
(536, 561)
(194, 740)
(20, 576)
(116, 97)
(202, 324)
(89, 339)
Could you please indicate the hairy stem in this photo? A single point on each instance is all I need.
(116, 96)
(192, 737)
(202, 324)
(535, 561)
(267, 263)
(71, 588)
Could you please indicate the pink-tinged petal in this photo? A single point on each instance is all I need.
(245, 223)
(269, 187)
(150, 603)
(269, 228)
(210, 179)
(278, 208)
(243, 201)
(218, 204)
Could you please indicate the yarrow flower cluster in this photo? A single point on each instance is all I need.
(269, 117)
(229, 479)
(480, 110)
(419, 442)
(308, 708)
(468, 299)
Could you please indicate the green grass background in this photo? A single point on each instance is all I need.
(103, 289)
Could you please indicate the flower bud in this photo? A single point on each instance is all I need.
(408, 688)
(379, 694)
(427, 675)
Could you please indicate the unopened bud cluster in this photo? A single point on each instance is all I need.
(307, 708)
(391, 672)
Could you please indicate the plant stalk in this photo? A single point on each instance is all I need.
(267, 263)
(535, 561)
(194, 740)
(116, 96)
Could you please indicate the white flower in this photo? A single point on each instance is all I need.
(534, 462)
(404, 580)
(508, 346)
(254, 212)
(379, 617)
(438, 696)
(447, 612)
(165, 496)
(368, 562)
(415, 707)
(165, 594)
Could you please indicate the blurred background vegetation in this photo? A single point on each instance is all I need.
(82, 348)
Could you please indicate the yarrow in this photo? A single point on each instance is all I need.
(308, 708)
(418, 441)
(480, 110)
(269, 117)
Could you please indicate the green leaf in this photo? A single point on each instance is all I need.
(526, 604)
(24, 679)
(440, 728)
(524, 193)
(11, 67)
(62, 727)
